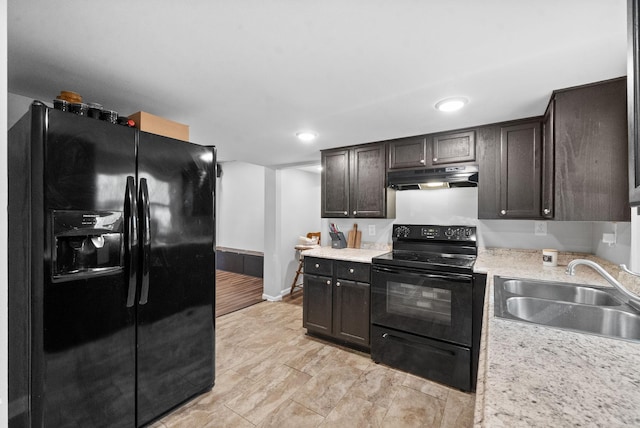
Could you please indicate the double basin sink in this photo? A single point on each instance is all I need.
(584, 308)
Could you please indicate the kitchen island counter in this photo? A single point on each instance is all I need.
(535, 376)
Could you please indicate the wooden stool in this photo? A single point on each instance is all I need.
(299, 250)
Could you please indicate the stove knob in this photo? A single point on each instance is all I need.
(448, 233)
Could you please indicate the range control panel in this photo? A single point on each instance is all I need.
(428, 232)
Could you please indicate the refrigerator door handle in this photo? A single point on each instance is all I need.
(131, 215)
(145, 218)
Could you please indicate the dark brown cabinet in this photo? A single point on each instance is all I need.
(588, 130)
(432, 150)
(520, 170)
(354, 183)
(548, 162)
(510, 170)
(569, 165)
(453, 147)
(408, 152)
(317, 305)
(336, 302)
(633, 100)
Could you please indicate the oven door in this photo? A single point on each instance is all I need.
(426, 303)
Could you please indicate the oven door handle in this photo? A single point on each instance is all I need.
(422, 274)
(434, 349)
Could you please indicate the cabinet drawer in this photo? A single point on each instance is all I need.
(353, 271)
(318, 266)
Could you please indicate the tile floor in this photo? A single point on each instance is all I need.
(270, 374)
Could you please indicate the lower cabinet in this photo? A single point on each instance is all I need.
(336, 302)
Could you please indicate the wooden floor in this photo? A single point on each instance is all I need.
(236, 291)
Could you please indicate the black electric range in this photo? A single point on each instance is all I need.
(426, 304)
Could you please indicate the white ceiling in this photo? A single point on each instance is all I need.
(246, 75)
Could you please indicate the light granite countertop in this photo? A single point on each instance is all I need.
(362, 255)
(536, 376)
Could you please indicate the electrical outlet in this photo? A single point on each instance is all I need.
(609, 238)
(372, 230)
(540, 228)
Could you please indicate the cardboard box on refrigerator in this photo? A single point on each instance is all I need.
(159, 125)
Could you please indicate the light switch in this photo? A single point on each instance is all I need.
(372, 230)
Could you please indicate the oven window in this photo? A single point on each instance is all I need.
(416, 301)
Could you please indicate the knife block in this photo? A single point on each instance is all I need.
(337, 240)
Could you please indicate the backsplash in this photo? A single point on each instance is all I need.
(460, 207)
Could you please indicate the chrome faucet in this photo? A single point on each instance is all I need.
(634, 300)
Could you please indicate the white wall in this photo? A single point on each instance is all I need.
(240, 206)
(17, 107)
(299, 214)
(4, 332)
(272, 274)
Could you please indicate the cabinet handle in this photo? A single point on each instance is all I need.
(317, 265)
(503, 212)
(422, 161)
(354, 212)
(346, 213)
(385, 335)
(546, 211)
(328, 282)
(435, 159)
(338, 284)
(351, 270)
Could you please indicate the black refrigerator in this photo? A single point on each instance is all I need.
(111, 272)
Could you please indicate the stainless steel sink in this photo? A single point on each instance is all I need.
(560, 291)
(591, 319)
(584, 308)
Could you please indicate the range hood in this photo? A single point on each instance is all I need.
(433, 178)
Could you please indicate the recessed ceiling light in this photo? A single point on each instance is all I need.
(306, 136)
(451, 104)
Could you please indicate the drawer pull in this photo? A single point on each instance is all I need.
(329, 282)
(317, 265)
(338, 284)
(351, 270)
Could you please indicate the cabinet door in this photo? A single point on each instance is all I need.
(489, 166)
(520, 170)
(548, 158)
(368, 192)
(407, 152)
(317, 301)
(351, 311)
(335, 183)
(455, 147)
(591, 153)
(633, 100)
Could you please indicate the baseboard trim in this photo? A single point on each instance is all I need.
(278, 297)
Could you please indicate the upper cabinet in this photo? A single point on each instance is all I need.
(520, 169)
(588, 132)
(335, 183)
(571, 164)
(510, 170)
(431, 151)
(408, 152)
(633, 100)
(452, 147)
(354, 183)
(575, 163)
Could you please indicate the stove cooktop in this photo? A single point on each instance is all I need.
(428, 247)
(434, 261)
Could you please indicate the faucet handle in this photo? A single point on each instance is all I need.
(630, 272)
